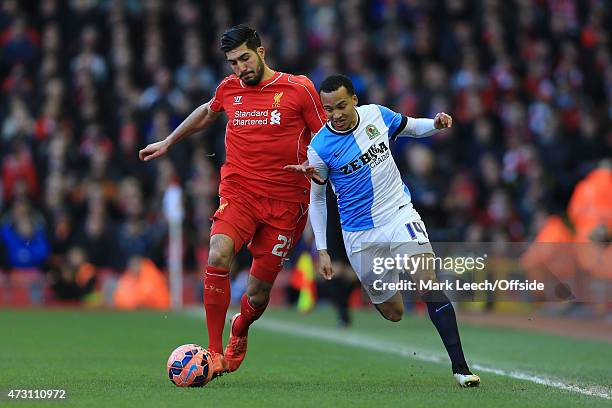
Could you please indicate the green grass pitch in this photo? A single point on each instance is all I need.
(112, 359)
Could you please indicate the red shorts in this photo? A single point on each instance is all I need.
(272, 227)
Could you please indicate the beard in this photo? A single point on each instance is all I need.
(257, 74)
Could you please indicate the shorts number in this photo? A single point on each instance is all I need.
(282, 248)
(416, 226)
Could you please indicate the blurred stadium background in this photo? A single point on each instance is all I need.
(85, 84)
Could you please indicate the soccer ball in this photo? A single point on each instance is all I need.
(190, 365)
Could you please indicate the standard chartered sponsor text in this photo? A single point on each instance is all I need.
(251, 117)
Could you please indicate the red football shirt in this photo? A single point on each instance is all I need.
(269, 126)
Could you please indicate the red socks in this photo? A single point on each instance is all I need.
(248, 314)
(216, 302)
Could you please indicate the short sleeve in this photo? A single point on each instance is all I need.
(396, 122)
(216, 103)
(312, 109)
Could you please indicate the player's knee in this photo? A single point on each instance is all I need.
(391, 312)
(219, 258)
(221, 252)
(393, 315)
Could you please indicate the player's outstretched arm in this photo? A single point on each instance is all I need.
(309, 171)
(421, 127)
(197, 121)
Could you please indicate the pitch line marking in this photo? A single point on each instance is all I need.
(372, 344)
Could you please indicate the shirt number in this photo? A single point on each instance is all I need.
(282, 248)
(416, 227)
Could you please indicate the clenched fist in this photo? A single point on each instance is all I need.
(443, 120)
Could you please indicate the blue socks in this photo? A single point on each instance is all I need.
(442, 315)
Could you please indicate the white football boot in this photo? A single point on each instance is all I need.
(467, 380)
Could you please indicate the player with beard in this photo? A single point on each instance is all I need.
(271, 119)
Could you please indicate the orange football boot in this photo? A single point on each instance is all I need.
(219, 364)
(236, 347)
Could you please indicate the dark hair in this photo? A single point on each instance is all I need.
(334, 82)
(237, 35)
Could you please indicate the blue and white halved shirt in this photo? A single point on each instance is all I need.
(360, 168)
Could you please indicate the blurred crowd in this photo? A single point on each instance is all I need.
(86, 83)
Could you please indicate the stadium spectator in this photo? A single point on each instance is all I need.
(18, 42)
(18, 171)
(76, 278)
(142, 285)
(98, 239)
(23, 235)
(591, 204)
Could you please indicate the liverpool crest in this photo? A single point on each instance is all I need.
(277, 98)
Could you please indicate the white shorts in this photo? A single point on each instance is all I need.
(403, 235)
